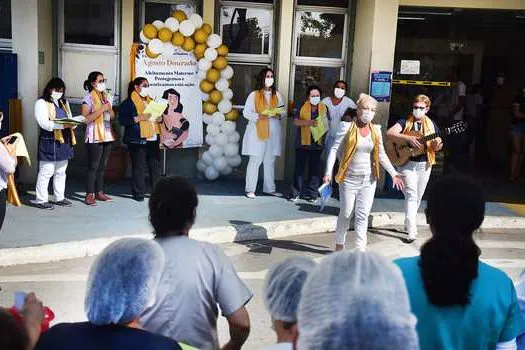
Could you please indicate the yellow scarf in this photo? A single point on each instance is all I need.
(263, 125)
(350, 148)
(100, 129)
(59, 136)
(147, 129)
(428, 129)
(306, 114)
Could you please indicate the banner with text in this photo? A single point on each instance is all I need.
(174, 79)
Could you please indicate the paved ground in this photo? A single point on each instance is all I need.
(61, 285)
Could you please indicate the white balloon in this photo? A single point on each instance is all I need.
(201, 166)
(213, 129)
(221, 85)
(228, 128)
(206, 118)
(196, 19)
(214, 41)
(168, 48)
(207, 158)
(210, 140)
(211, 173)
(227, 94)
(218, 118)
(172, 24)
(143, 38)
(156, 46)
(231, 149)
(205, 96)
(234, 138)
(204, 64)
(225, 106)
(227, 73)
(221, 140)
(186, 28)
(227, 170)
(201, 74)
(216, 151)
(158, 24)
(234, 161)
(220, 163)
(210, 54)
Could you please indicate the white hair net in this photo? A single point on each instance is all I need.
(356, 300)
(123, 280)
(282, 288)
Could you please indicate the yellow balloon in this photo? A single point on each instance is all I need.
(232, 115)
(199, 50)
(209, 108)
(220, 63)
(165, 35)
(179, 15)
(215, 97)
(200, 36)
(150, 31)
(222, 50)
(213, 75)
(188, 44)
(207, 28)
(151, 54)
(206, 86)
(177, 39)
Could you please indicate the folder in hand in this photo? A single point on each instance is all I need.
(325, 192)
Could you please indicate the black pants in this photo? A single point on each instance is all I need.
(144, 157)
(98, 154)
(311, 160)
(3, 203)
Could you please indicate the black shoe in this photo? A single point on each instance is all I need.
(312, 200)
(45, 206)
(293, 198)
(63, 203)
(409, 240)
(139, 198)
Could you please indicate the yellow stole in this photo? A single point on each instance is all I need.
(100, 130)
(59, 136)
(306, 114)
(428, 128)
(147, 129)
(350, 148)
(263, 125)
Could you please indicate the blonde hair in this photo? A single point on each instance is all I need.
(424, 99)
(366, 99)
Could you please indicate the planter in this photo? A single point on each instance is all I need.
(117, 164)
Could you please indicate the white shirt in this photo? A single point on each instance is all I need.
(280, 346)
(336, 112)
(361, 162)
(459, 90)
(42, 116)
(472, 101)
(197, 279)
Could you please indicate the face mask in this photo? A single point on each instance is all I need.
(523, 90)
(418, 113)
(315, 100)
(268, 82)
(101, 87)
(55, 95)
(339, 93)
(144, 92)
(367, 116)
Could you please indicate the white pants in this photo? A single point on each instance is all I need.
(416, 179)
(355, 191)
(45, 171)
(252, 172)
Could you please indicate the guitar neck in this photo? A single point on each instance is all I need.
(430, 137)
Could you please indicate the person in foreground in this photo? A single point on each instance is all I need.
(121, 285)
(460, 302)
(520, 289)
(355, 300)
(197, 275)
(361, 145)
(282, 292)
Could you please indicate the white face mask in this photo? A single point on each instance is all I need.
(101, 87)
(55, 95)
(268, 82)
(315, 100)
(144, 92)
(418, 113)
(367, 116)
(523, 90)
(339, 93)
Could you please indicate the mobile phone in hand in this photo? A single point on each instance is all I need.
(20, 298)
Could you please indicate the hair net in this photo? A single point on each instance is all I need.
(282, 288)
(356, 300)
(123, 280)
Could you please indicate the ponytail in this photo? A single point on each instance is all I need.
(135, 82)
(92, 77)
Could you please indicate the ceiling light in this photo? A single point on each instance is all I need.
(426, 13)
(412, 18)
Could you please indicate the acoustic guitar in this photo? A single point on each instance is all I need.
(400, 152)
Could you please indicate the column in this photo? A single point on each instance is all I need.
(208, 11)
(126, 40)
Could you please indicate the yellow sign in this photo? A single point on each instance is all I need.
(422, 82)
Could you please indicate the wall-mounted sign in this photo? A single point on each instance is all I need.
(380, 85)
(410, 67)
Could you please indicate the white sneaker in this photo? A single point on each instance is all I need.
(250, 195)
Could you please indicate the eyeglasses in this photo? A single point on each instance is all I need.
(102, 81)
(420, 108)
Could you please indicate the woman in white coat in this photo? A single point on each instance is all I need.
(360, 146)
(262, 139)
(337, 105)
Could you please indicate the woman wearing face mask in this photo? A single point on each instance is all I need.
(360, 145)
(337, 105)
(98, 110)
(307, 150)
(417, 171)
(55, 144)
(142, 137)
(517, 132)
(262, 139)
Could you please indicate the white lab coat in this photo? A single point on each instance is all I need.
(251, 144)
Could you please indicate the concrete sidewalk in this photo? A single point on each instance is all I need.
(224, 215)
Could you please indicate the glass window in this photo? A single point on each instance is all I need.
(331, 3)
(5, 19)
(89, 22)
(246, 30)
(324, 77)
(320, 34)
(160, 11)
(244, 81)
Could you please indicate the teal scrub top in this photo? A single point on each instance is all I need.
(493, 315)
